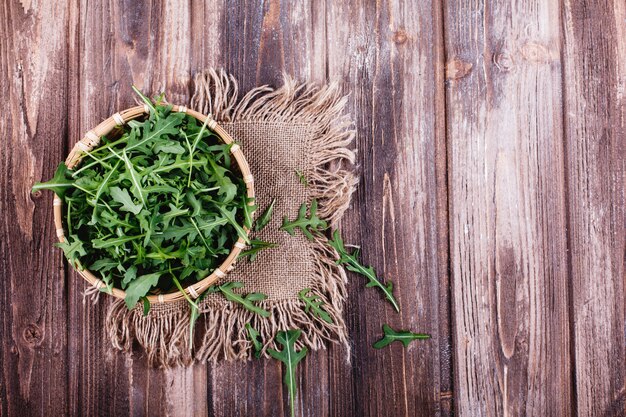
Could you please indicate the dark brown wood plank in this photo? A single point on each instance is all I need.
(535, 128)
(33, 305)
(115, 46)
(507, 208)
(595, 147)
(259, 42)
(388, 56)
(96, 81)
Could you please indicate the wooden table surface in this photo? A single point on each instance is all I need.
(491, 153)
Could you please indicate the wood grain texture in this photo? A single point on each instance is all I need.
(115, 46)
(507, 208)
(259, 44)
(388, 55)
(33, 301)
(491, 153)
(595, 147)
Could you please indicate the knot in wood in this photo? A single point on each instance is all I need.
(503, 61)
(535, 52)
(400, 37)
(32, 334)
(457, 68)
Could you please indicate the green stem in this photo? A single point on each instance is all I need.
(180, 288)
(200, 234)
(84, 190)
(193, 148)
(69, 217)
(145, 100)
(374, 280)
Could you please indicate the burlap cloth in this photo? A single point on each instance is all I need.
(297, 127)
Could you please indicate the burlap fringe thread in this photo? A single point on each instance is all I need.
(164, 333)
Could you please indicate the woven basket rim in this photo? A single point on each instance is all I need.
(92, 139)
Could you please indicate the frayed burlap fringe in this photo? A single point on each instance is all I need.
(221, 332)
(226, 336)
(163, 334)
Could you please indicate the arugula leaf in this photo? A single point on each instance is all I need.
(102, 187)
(129, 275)
(146, 306)
(193, 317)
(404, 336)
(265, 218)
(140, 287)
(352, 264)
(248, 211)
(164, 146)
(59, 183)
(229, 215)
(178, 232)
(72, 248)
(122, 197)
(254, 248)
(308, 225)
(219, 176)
(314, 303)
(107, 243)
(290, 357)
(248, 301)
(134, 177)
(194, 202)
(192, 148)
(145, 99)
(254, 338)
(104, 265)
(194, 308)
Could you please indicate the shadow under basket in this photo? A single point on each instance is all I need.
(92, 140)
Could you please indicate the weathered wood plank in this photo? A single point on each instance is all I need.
(260, 42)
(507, 209)
(117, 45)
(595, 146)
(388, 55)
(33, 307)
(521, 196)
(96, 81)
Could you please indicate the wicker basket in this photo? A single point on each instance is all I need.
(92, 140)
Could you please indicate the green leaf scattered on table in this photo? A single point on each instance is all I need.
(265, 218)
(254, 248)
(290, 357)
(314, 304)
(403, 336)
(253, 334)
(350, 260)
(155, 206)
(307, 225)
(246, 301)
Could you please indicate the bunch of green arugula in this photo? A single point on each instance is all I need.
(156, 208)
